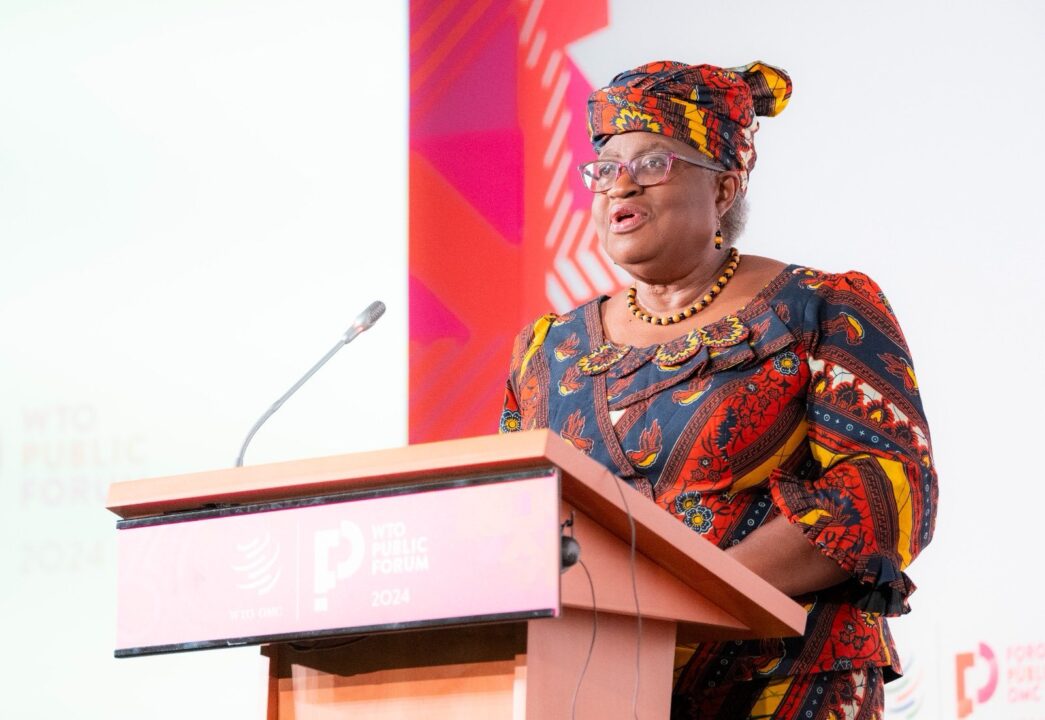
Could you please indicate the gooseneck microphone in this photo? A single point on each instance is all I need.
(364, 321)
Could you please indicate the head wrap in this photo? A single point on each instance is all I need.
(711, 108)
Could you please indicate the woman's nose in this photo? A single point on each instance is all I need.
(624, 185)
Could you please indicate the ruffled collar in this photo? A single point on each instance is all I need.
(753, 332)
(728, 332)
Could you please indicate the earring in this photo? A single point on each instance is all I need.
(718, 239)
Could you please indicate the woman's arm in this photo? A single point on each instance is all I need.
(865, 499)
(780, 554)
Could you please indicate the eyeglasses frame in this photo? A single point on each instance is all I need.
(672, 157)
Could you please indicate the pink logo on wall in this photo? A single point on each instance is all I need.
(964, 662)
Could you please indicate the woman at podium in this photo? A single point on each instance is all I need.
(772, 408)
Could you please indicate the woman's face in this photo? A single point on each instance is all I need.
(660, 233)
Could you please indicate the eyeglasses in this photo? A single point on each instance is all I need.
(647, 169)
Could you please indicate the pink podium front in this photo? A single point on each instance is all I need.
(425, 581)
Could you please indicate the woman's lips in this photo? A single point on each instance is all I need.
(625, 218)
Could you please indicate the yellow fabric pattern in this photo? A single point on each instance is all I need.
(761, 472)
(769, 701)
(540, 331)
(897, 475)
(698, 129)
(778, 82)
(828, 459)
(812, 516)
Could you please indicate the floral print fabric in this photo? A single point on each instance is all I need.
(712, 109)
(805, 403)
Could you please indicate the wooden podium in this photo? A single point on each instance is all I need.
(520, 664)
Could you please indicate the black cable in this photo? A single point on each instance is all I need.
(591, 647)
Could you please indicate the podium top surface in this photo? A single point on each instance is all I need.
(421, 464)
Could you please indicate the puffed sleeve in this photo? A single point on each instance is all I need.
(868, 497)
(519, 394)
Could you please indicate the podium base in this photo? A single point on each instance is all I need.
(512, 671)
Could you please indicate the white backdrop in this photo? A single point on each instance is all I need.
(196, 197)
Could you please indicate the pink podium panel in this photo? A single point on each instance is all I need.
(234, 576)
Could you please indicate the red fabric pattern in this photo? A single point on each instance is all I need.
(803, 404)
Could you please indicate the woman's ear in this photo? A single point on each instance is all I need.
(727, 192)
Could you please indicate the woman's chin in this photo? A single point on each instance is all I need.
(626, 253)
(642, 265)
(632, 266)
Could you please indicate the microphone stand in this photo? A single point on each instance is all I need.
(363, 321)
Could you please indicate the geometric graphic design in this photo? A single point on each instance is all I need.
(500, 229)
(963, 663)
(570, 265)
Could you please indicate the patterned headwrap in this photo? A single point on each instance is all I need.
(711, 108)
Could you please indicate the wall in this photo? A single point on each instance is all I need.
(196, 199)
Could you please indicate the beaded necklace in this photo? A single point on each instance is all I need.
(727, 273)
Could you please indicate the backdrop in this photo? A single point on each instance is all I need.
(197, 197)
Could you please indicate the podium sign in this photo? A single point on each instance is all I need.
(456, 543)
(477, 550)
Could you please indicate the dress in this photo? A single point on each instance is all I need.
(803, 403)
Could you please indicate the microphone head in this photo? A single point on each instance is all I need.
(366, 319)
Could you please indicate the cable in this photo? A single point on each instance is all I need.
(635, 593)
(591, 647)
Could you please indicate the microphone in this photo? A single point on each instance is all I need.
(364, 321)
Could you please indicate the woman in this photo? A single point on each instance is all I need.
(772, 408)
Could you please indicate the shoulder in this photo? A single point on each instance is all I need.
(551, 322)
(853, 289)
(851, 282)
(547, 328)
(846, 307)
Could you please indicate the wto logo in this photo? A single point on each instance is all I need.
(259, 570)
(348, 539)
(904, 696)
(963, 662)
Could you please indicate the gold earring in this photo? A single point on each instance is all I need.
(718, 239)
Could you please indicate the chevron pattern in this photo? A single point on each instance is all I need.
(573, 266)
(499, 224)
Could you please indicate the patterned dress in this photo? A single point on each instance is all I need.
(804, 403)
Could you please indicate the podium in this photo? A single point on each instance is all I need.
(425, 581)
